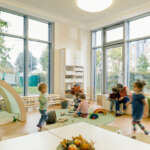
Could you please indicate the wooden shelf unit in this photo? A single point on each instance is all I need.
(74, 75)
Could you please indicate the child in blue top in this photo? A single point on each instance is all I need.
(138, 102)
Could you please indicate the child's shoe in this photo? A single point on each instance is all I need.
(40, 128)
(133, 136)
(118, 114)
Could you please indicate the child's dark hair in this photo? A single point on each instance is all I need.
(140, 84)
(82, 96)
(41, 85)
(114, 89)
(119, 85)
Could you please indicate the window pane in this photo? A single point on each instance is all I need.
(140, 62)
(114, 67)
(12, 24)
(140, 28)
(38, 65)
(99, 71)
(12, 62)
(38, 30)
(93, 39)
(114, 34)
(98, 38)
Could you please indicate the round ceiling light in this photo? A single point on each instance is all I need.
(93, 5)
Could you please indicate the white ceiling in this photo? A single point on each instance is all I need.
(67, 10)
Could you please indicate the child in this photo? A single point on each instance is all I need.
(138, 102)
(125, 96)
(76, 102)
(113, 97)
(82, 110)
(43, 104)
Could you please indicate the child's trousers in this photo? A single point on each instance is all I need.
(112, 104)
(43, 118)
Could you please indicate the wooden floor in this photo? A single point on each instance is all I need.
(19, 129)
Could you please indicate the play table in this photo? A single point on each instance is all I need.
(48, 140)
(103, 139)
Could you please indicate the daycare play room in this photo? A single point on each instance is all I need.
(74, 75)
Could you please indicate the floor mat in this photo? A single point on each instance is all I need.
(102, 120)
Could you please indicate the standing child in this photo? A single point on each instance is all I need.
(82, 110)
(43, 104)
(138, 102)
(113, 97)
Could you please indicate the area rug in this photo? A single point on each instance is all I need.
(102, 120)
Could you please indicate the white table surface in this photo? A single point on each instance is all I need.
(49, 140)
(104, 140)
(37, 141)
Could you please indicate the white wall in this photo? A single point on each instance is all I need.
(76, 41)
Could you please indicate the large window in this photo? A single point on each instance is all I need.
(24, 52)
(97, 39)
(38, 30)
(98, 61)
(13, 23)
(114, 67)
(11, 66)
(99, 70)
(140, 28)
(125, 53)
(140, 62)
(37, 66)
(114, 34)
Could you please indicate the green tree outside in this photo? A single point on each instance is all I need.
(4, 51)
(44, 60)
(32, 63)
(143, 64)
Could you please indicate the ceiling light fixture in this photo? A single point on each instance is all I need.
(93, 5)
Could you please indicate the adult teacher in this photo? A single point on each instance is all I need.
(124, 98)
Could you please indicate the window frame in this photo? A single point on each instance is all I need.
(94, 50)
(26, 39)
(124, 42)
(106, 66)
(111, 28)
